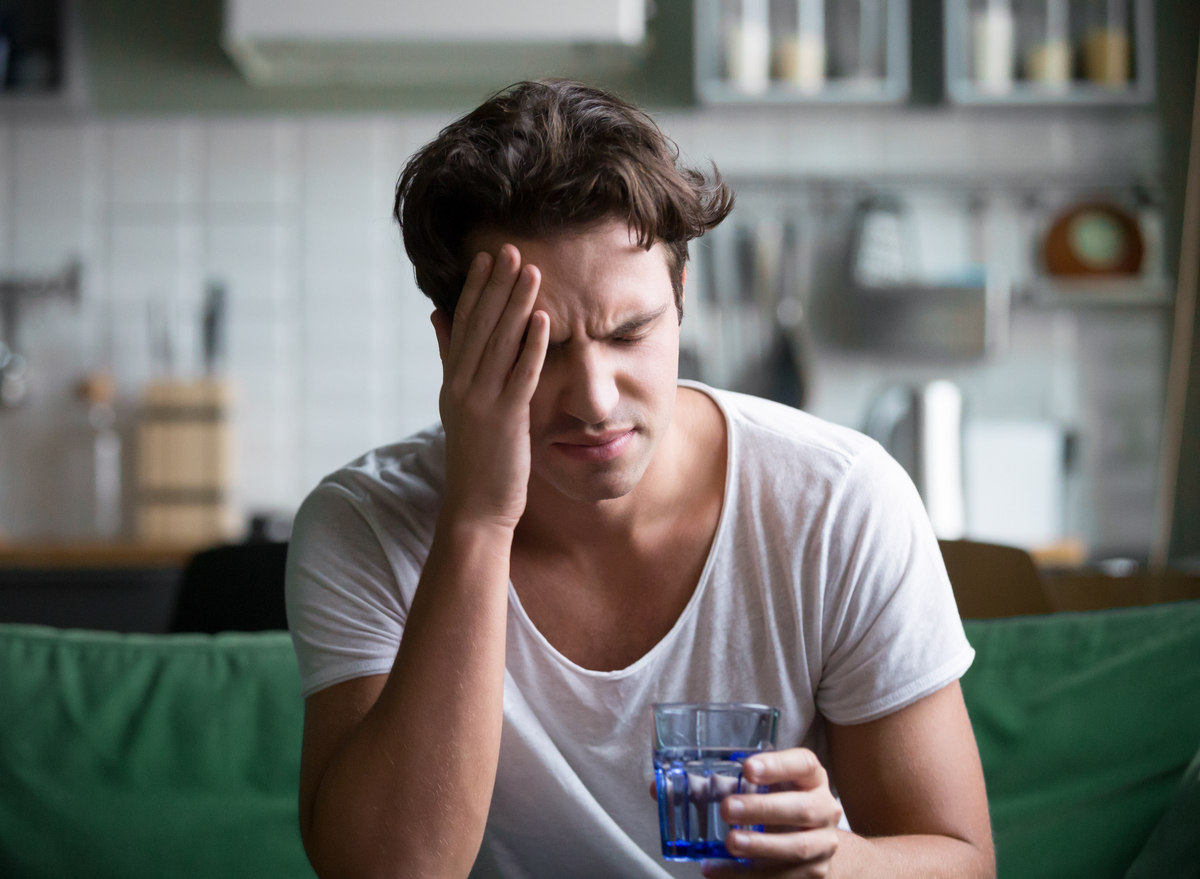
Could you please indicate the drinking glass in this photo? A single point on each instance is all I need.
(699, 749)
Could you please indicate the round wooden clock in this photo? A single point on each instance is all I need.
(1094, 239)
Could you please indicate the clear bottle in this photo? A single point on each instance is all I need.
(799, 56)
(993, 34)
(747, 40)
(857, 43)
(1044, 31)
(1106, 49)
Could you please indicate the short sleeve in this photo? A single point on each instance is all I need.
(892, 633)
(344, 602)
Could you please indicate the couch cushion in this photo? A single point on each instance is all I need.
(143, 755)
(1174, 846)
(1085, 723)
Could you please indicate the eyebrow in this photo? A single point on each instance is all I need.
(630, 325)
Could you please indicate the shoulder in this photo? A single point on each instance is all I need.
(779, 439)
(389, 498)
(406, 476)
(358, 545)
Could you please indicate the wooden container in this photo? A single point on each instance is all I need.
(185, 468)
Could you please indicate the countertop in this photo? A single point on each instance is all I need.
(92, 556)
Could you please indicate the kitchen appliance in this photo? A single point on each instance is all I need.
(921, 427)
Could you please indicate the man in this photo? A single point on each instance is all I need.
(485, 613)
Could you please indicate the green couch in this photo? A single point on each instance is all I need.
(177, 756)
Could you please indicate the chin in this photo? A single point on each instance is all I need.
(604, 485)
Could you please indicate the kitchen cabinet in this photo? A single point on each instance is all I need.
(461, 42)
(801, 51)
(1051, 52)
(121, 587)
(42, 66)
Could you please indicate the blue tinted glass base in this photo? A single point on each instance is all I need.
(697, 850)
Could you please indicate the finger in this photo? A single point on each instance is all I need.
(802, 847)
(797, 765)
(477, 278)
(722, 869)
(528, 369)
(806, 809)
(504, 345)
(493, 299)
(745, 869)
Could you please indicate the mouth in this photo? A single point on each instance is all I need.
(602, 447)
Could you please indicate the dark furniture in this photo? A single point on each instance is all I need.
(234, 588)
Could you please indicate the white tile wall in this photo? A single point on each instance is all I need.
(329, 344)
(292, 215)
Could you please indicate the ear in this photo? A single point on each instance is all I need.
(442, 324)
(683, 285)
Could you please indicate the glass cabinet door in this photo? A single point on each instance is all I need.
(796, 51)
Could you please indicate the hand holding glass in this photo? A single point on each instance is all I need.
(699, 749)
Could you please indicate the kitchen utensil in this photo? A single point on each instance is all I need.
(213, 326)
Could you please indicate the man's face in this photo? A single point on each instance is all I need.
(607, 389)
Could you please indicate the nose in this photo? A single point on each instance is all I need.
(590, 393)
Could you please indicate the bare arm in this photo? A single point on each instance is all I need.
(397, 770)
(912, 787)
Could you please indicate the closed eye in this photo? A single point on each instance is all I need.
(637, 328)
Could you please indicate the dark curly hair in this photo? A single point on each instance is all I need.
(540, 158)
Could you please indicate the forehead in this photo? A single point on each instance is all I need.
(600, 270)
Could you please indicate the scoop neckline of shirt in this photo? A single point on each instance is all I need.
(689, 609)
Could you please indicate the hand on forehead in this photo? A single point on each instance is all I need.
(596, 279)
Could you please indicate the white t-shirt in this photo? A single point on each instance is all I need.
(824, 593)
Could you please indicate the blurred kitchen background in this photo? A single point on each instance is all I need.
(958, 229)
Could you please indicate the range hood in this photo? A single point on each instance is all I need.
(424, 43)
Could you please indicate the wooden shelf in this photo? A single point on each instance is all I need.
(1054, 293)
